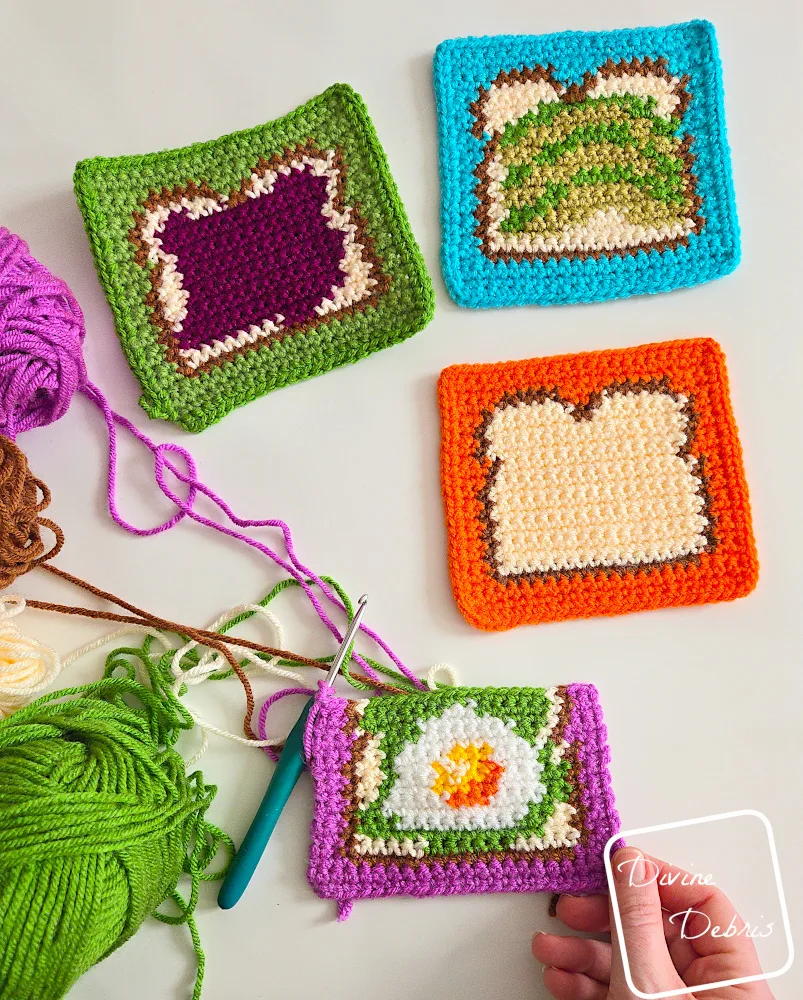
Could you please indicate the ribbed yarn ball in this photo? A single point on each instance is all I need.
(98, 818)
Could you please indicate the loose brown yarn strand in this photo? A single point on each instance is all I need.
(168, 626)
(162, 623)
(201, 636)
(23, 497)
(205, 638)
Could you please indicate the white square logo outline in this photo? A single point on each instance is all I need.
(625, 834)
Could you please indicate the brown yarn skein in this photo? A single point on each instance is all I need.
(23, 497)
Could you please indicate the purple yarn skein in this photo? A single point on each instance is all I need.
(41, 334)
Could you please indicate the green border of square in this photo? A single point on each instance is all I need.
(404, 715)
(110, 189)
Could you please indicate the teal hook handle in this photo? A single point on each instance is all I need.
(288, 771)
(284, 780)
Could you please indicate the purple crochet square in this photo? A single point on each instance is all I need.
(459, 790)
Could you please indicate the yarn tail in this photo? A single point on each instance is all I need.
(185, 507)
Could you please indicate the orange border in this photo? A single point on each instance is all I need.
(696, 368)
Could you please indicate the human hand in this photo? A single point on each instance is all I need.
(664, 953)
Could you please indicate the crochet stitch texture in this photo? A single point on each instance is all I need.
(583, 166)
(237, 266)
(460, 790)
(592, 484)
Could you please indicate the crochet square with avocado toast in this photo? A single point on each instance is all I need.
(583, 166)
(459, 790)
(237, 266)
(594, 484)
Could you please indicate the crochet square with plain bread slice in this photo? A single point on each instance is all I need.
(593, 484)
(237, 266)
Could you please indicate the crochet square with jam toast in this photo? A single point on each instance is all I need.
(237, 266)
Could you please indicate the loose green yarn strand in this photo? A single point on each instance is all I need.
(191, 658)
(100, 820)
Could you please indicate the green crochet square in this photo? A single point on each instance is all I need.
(237, 266)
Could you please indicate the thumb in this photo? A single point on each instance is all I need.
(642, 937)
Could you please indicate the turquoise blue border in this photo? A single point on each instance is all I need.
(463, 65)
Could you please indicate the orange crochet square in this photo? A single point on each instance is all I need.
(594, 484)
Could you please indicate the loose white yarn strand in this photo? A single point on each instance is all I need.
(431, 679)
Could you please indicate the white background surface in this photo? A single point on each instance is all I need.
(702, 704)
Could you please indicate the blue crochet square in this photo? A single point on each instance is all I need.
(583, 166)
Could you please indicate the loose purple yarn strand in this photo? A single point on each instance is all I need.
(263, 714)
(41, 368)
(295, 567)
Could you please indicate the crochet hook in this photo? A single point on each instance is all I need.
(288, 771)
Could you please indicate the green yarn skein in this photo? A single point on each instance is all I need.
(99, 821)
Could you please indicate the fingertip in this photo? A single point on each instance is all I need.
(537, 944)
(628, 866)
